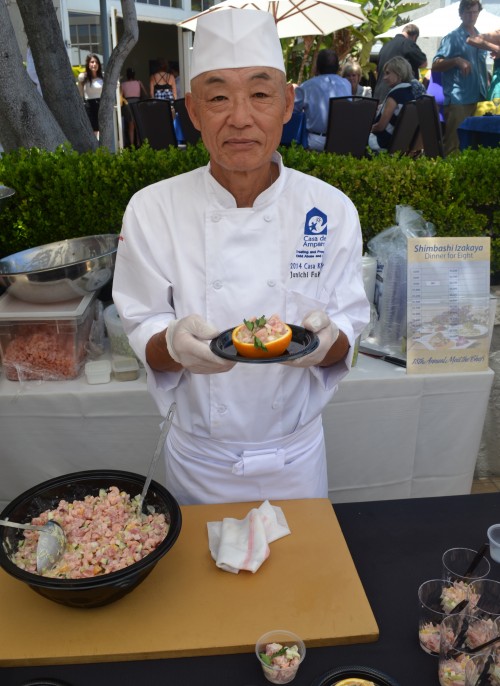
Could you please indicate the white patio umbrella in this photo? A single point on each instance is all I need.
(295, 17)
(440, 22)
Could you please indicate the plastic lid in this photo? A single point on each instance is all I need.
(125, 364)
(11, 308)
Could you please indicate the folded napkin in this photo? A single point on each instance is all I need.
(244, 543)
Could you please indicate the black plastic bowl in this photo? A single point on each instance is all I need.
(99, 590)
(339, 673)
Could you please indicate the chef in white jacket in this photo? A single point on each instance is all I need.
(242, 237)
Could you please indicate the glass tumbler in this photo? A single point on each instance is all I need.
(456, 562)
(484, 598)
(436, 599)
(460, 636)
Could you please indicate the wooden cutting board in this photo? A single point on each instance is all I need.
(187, 606)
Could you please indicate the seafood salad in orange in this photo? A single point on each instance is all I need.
(262, 337)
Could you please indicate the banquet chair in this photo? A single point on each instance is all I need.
(154, 123)
(430, 126)
(295, 130)
(405, 138)
(349, 124)
(190, 135)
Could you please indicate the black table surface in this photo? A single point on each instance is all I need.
(395, 545)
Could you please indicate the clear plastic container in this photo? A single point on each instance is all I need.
(125, 368)
(45, 341)
(118, 339)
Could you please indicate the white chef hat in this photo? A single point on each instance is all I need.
(235, 38)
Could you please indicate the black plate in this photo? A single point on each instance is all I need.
(303, 342)
(334, 675)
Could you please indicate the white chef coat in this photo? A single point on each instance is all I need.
(185, 248)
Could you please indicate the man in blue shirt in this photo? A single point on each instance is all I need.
(464, 78)
(313, 97)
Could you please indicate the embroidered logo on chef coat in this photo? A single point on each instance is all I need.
(316, 223)
(308, 261)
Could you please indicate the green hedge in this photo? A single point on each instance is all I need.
(66, 194)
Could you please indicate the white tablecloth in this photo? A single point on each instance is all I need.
(388, 435)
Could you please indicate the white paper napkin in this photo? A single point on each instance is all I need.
(244, 543)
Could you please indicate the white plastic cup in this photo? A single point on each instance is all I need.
(98, 371)
(494, 539)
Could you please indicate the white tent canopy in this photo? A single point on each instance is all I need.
(440, 22)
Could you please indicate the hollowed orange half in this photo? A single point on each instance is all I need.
(274, 348)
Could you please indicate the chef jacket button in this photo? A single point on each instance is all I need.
(216, 217)
(271, 282)
(267, 218)
(221, 409)
(217, 285)
(275, 406)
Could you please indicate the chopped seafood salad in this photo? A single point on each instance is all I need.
(451, 596)
(452, 668)
(280, 662)
(259, 330)
(104, 533)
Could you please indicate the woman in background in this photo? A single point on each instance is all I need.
(352, 72)
(398, 75)
(162, 83)
(90, 84)
(131, 90)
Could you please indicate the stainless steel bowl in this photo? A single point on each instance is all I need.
(60, 271)
(6, 192)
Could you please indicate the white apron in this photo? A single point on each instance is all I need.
(203, 472)
(211, 258)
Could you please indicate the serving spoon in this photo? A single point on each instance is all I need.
(159, 447)
(51, 543)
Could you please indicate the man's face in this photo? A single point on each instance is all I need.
(240, 113)
(469, 16)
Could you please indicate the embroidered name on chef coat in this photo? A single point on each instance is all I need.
(308, 261)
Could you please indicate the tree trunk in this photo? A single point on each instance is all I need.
(308, 44)
(55, 74)
(118, 56)
(26, 119)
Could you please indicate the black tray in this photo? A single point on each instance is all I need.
(303, 342)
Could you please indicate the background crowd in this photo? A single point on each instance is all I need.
(457, 77)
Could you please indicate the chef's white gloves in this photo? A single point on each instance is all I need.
(187, 344)
(327, 332)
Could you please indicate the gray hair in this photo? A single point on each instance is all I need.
(351, 68)
(400, 67)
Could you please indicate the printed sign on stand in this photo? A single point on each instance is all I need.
(448, 317)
